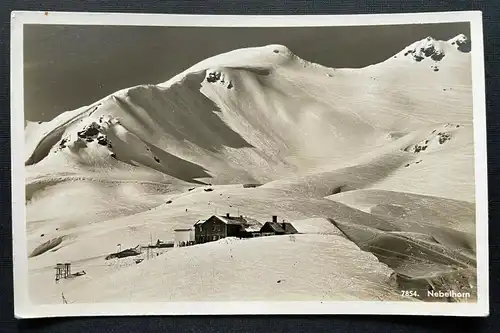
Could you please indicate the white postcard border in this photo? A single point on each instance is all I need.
(22, 305)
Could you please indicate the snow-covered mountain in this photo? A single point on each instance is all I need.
(252, 111)
(309, 133)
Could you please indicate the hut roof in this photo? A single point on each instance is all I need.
(253, 228)
(234, 220)
(182, 229)
(289, 228)
(275, 226)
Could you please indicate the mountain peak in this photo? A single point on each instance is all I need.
(433, 49)
(460, 38)
(425, 48)
(259, 57)
(461, 42)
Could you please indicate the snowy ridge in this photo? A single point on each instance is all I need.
(430, 50)
(238, 72)
(236, 117)
(266, 57)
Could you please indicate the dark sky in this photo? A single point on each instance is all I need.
(70, 66)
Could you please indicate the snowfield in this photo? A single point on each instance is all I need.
(373, 166)
(305, 267)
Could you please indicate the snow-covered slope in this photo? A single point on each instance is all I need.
(257, 112)
(136, 163)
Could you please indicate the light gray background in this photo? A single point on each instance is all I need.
(66, 67)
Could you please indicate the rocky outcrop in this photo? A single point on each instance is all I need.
(426, 48)
(462, 43)
(217, 77)
(436, 138)
(91, 134)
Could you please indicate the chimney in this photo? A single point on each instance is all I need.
(275, 218)
(227, 214)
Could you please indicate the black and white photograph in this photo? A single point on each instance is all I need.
(177, 164)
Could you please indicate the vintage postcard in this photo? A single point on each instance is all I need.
(183, 164)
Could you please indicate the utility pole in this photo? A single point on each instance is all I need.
(151, 244)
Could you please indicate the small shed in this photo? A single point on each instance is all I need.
(183, 237)
(273, 228)
(277, 228)
(289, 228)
